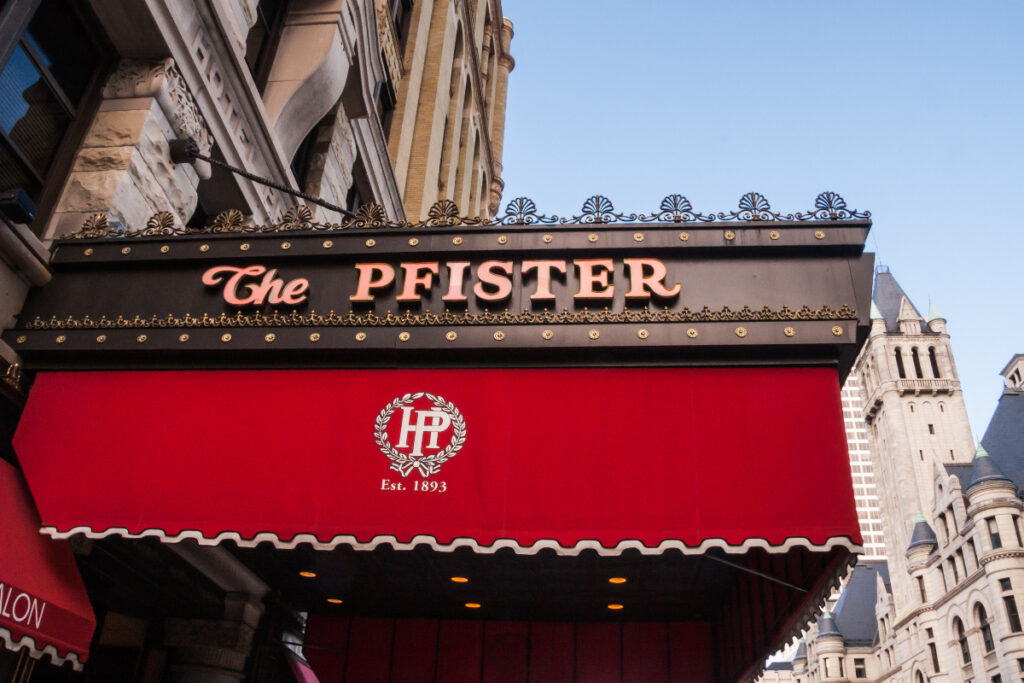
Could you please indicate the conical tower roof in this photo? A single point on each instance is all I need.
(888, 297)
(933, 312)
(801, 651)
(875, 313)
(923, 534)
(985, 469)
(827, 625)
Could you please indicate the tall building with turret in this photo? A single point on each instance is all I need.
(945, 604)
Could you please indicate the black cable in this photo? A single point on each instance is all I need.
(187, 151)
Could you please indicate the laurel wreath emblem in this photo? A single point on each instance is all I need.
(429, 464)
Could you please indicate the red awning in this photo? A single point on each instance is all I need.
(43, 605)
(606, 459)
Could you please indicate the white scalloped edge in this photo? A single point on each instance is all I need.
(29, 643)
(464, 542)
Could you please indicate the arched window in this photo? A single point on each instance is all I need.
(918, 678)
(965, 650)
(934, 361)
(899, 363)
(986, 629)
(944, 528)
(917, 362)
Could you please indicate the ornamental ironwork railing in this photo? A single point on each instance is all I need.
(522, 211)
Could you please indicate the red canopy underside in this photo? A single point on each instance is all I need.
(43, 605)
(604, 458)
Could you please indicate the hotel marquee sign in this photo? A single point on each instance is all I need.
(574, 294)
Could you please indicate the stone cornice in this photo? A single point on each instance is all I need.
(1002, 554)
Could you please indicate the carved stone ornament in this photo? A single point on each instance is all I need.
(162, 80)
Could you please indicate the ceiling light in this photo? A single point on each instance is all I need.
(334, 601)
(307, 575)
(614, 606)
(617, 579)
(473, 605)
(460, 579)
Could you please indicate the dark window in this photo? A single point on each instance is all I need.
(935, 657)
(401, 15)
(934, 361)
(1016, 530)
(985, 627)
(921, 590)
(965, 650)
(917, 362)
(1020, 665)
(1012, 616)
(899, 363)
(841, 674)
(386, 100)
(931, 429)
(43, 82)
(974, 552)
(262, 39)
(993, 532)
(997, 679)
(944, 528)
(860, 670)
(918, 678)
(952, 567)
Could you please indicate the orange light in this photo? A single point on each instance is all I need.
(307, 575)
(473, 605)
(460, 579)
(614, 606)
(334, 601)
(617, 579)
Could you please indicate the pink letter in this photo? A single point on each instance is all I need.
(641, 286)
(412, 278)
(503, 285)
(544, 269)
(367, 281)
(588, 278)
(456, 277)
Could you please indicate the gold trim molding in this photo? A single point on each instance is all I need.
(448, 317)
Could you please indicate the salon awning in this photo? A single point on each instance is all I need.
(43, 605)
(659, 467)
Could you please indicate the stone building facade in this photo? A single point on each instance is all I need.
(945, 604)
(393, 104)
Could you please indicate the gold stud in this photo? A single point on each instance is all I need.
(286, 245)
(61, 339)
(244, 246)
(328, 244)
(371, 242)
(592, 237)
(548, 239)
(269, 337)
(457, 240)
(126, 251)
(691, 333)
(183, 338)
(819, 234)
(741, 332)
(774, 234)
(22, 339)
(499, 335)
(101, 338)
(141, 338)
(164, 249)
(314, 337)
(837, 331)
(413, 241)
(451, 335)
(789, 332)
(730, 235)
(502, 239)
(547, 334)
(403, 336)
(204, 247)
(638, 237)
(594, 334)
(226, 337)
(360, 336)
(88, 252)
(684, 236)
(642, 333)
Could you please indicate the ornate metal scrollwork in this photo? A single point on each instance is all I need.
(598, 209)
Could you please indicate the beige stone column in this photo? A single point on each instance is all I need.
(124, 169)
(505, 66)
(213, 650)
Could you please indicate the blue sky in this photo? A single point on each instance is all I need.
(912, 110)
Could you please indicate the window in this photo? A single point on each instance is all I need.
(1016, 530)
(986, 629)
(974, 552)
(944, 528)
(1012, 616)
(50, 67)
(899, 363)
(993, 532)
(917, 363)
(934, 362)
(921, 590)
(918, 678)
(935, 657)
(931, 429)
(262, 39)
(841, 674)
(965, 649)
(997, 679)
(860, 670)
(952, 568)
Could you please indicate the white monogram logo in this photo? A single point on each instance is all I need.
(423, 427)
